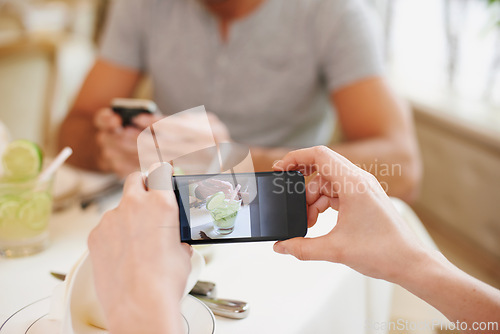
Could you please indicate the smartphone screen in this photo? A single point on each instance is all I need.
(241, 207)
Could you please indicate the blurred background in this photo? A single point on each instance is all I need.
(442, 56)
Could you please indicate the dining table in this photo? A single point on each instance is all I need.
(285, 295)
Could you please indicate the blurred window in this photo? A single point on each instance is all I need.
(445, 47)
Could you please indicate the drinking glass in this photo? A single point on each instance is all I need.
(25, 209)
(225, 216)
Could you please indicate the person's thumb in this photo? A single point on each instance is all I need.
(304, 249)
(160, 176)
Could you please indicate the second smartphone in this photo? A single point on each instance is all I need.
(241, 207)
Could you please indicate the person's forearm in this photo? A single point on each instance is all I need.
(454, 293)
(79, 133)
(396, 166)
(264, 158)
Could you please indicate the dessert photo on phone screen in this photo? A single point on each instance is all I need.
(232, 206)
(219, 208)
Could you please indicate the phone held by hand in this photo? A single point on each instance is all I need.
(130, 108)
(241, 207)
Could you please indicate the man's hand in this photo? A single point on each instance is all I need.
(140, 266)
(118, 145)
(176, 136)
(369, 237)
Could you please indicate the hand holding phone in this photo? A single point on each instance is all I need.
(370, 236)
(118, 145)
(117, 132)
(126, 229)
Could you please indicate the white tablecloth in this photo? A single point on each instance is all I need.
(285, 295)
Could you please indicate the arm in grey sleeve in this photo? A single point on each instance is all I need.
(349, 43)
(122, 42)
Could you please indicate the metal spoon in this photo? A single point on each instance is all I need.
(228, 308)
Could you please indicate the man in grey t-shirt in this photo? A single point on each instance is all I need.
(272, 71)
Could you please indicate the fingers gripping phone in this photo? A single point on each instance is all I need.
(224, 208)
(130, 108)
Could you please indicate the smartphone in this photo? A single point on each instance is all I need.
(130, 108)
(241, 207)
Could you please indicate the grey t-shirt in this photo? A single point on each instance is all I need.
(270, 82)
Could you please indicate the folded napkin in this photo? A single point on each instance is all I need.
(74, 302)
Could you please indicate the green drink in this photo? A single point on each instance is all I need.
(25, 208)
(224, 212)
(25, 201)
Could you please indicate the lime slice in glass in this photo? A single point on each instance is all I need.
(9, 208)
(35, 212)
(216, 200)
(22, 159)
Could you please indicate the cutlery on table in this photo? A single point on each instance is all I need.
(205, 289)
(228, 308)
(205, 292)
(88, 199)
(59, 276)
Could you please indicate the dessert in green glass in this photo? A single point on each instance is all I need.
(224, 212)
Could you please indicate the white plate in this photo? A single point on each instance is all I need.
(31, 319)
